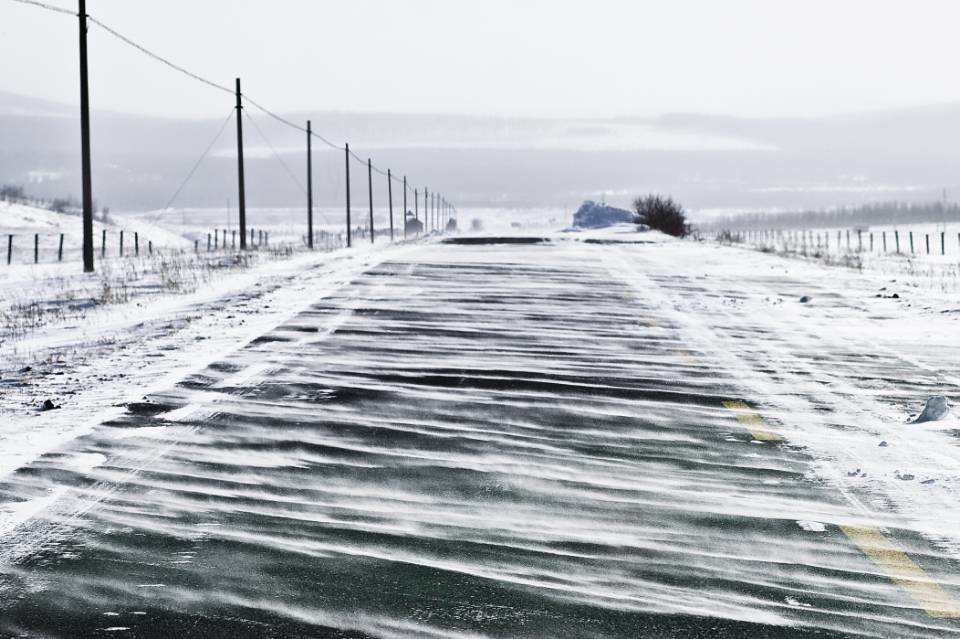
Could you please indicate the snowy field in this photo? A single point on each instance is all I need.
(595, 434)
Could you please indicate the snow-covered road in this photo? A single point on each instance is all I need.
(567, 438)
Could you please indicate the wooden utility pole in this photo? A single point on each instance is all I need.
(85, 145)
(370, 194)
(309, 187)
(243, 196)
(346, 148)
(390, 199)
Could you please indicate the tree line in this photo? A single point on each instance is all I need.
(891, 213)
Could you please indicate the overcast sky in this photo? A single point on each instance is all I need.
(505, 57)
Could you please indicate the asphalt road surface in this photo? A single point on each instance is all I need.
(508, 440)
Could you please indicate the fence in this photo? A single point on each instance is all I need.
(439, 214)
(930, 241)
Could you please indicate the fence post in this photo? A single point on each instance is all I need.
(103, 244)
(60, 249)
(943, 243)
(871, 241)
(9, 248)
(251, 236)
(36, 248)
(260, 238)
(121, 242)
(390, 199)
(196, 246)
(370, 194)
(911, 242)
(859, 241)
(927, 239)
(884, 241)
(150, 246)
(136, 243)
(208, 242)
(233, 239)
(346, 148)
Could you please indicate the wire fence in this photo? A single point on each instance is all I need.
(931, 241)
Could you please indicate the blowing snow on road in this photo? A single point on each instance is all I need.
(599, 434)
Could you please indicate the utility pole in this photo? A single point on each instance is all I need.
(85, 145)
(370, 194)
(404, 207)
(309, 187)
(346, 148)
(243, 196)
(390, 198)
(426, 212)
(416, 205)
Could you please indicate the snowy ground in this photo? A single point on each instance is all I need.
(601, 434)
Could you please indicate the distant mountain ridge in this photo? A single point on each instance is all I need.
(708, 162)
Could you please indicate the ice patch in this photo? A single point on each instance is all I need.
(811, 526)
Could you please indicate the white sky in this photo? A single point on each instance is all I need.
(507, 57)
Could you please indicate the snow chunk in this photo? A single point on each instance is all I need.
(591, 215)
(811, 526)
(936, 409)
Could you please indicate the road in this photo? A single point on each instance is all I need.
(520, 440)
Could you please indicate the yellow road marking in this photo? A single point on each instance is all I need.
(904, 572)
(751, 420)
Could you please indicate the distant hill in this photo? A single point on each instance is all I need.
(712, 164)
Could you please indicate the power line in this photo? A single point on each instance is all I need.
(275, 154)
(169, 63)
(48, 7)
(199, 78)
(202, 157)
(157, 57)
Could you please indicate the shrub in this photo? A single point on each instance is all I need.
(61, 205)
(663, 214)
(12, 193)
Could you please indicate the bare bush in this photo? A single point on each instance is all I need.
(663, 214)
